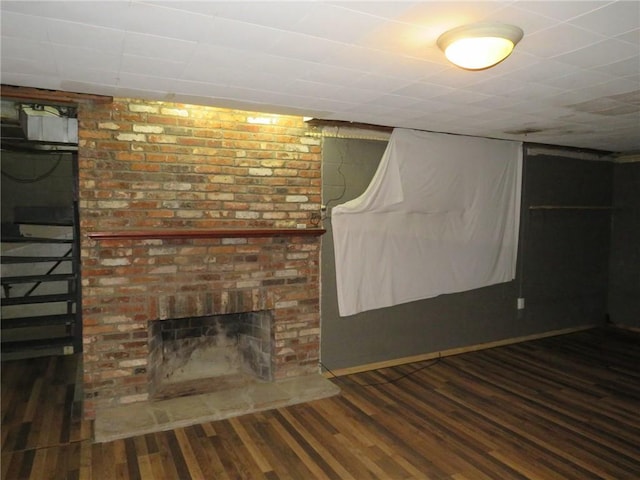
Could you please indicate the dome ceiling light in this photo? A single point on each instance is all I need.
(479, 46)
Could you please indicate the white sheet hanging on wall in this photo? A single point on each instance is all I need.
(441, 215)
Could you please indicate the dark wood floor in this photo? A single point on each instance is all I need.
(566, 407)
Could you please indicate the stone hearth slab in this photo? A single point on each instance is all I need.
(155, 416)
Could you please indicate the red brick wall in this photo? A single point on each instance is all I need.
(158, 166)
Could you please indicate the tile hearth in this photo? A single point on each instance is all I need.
(141, 418)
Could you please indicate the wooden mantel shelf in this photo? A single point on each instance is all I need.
(218, 233)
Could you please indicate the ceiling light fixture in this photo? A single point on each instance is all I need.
(479, 46)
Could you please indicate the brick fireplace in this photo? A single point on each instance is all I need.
(192, 212)
(209, 353)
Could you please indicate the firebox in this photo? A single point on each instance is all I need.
(203, 354)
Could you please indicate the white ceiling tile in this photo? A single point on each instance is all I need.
(580, 96)
(382, 9)
(422, 107)
(200, 89)
(561, 10)
(329, 106)
(541, 70)
(631, 78)
(85, 87)
(157, 47)
(111, 14)
(617, 86)
(23, 26)
(579, 79)
(601, 53)
(228, 9)
(373, 62)
(30, 67)
(516, 61)
(69, 56)
(335, 22)
(28, 80)
(569, 97)
(613, 19)
(496, 102)
(532, 107)
(351, 95)
(557, 40)
(462, 109)
(439, 16)
(424, 90)
(431, 125)
(22, 48)
(208, 72)
(79, 73)
(412, 69)
(264, 80)
(86, 36)
(384, 119)
(317, 90)
(624, 110)
(321, 72)
(356, 61)
(303, 46)
(363, 59)
(222, 56)
(496, 86)
(152, 66)
(139, 93)
(283, 104)
(462, 96)
(632, 37)
(529, 22)
(393, 101)
(166, 22)
(27, 8)
(626, 140)
(529, 91)
(606, 106)
(429, 119)
(453, 77)
(382, 83)
(241, 35)
(141, 81)
(411, 40)
(497, 119)
(285, 67)
(261, 80)
(207, 58)
(275, 14)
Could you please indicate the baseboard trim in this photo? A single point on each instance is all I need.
(452, 351)
(628, 328)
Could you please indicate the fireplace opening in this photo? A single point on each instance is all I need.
(188, 356)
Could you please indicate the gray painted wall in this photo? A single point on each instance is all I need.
(624, 272)
(562, 271)
(565, 257)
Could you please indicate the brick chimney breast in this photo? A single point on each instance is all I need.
(157, 167)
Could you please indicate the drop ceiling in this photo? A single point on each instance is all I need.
(573, 80)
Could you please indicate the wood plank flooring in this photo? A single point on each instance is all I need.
(565, 407)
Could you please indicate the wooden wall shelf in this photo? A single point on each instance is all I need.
(218, 233)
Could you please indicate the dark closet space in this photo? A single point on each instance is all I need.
(40, 256)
